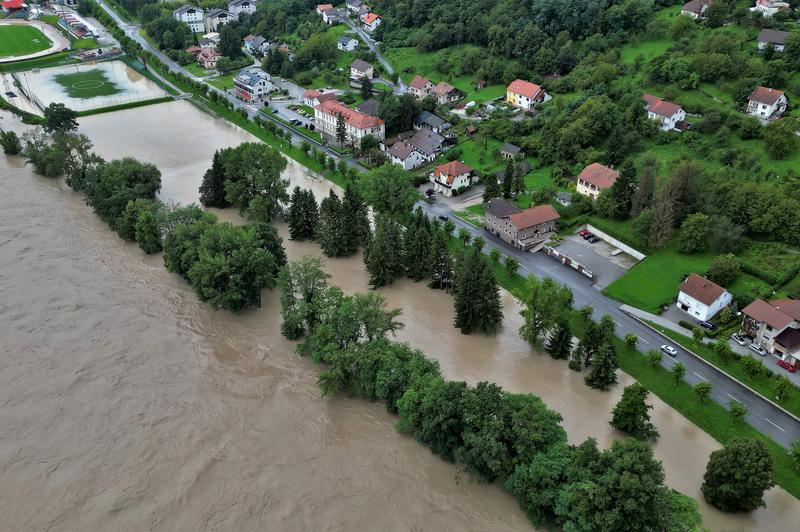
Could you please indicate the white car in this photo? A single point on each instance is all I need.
(756, 348)
(739, 339)
(669, 350)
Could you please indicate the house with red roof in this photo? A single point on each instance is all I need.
(594, 179)
(522, 229)
(702, 299)
(357, 125)
(207, 58)
(453, 176)
(766, 104)
(446, 93)
(775, 326)
(313, 98)
(10, 6)
(669, 115)
(695, 9)
(420, 87)
(371, 21)
(525, 95)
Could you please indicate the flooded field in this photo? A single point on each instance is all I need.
(130, 405)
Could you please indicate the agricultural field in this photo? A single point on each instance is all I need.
(21, 40)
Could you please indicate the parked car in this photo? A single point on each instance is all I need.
(739, 339)
(787, 366)
(584, 233)
(756, 348)
(707, 325)
(443, 218)
(593, 239)
(274, 111)
(669, 350)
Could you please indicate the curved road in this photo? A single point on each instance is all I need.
(762, 414)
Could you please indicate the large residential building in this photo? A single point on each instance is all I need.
(523, 229)
(252, 85)
(361, 69)
(695, 8)
(357, 125)
(241, 7)
(702, 299)
(452, 176)
(669, 115)
(420, 87)
(192, 16)
(774, 38)
(525, 95)
(594, 179)
(775, 325)
(766, 103)
(215, 18)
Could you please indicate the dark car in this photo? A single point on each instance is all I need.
(593, 239)
(586, 235)
(443, 218)
(707, 325)
(274, 111)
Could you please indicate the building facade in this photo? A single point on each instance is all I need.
(191, 16)
(594, 179)
(357, 125)
(702, 299)
(522, 229)
(525, 95)
(252, 85)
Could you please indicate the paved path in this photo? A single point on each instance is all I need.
(400, 87)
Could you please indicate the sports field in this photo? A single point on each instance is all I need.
(87, 84)
(21, 40)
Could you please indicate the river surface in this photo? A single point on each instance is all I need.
(130, 405)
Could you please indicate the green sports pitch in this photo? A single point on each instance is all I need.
(21, 40)
(87, 84)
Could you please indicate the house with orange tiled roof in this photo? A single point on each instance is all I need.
(420, 87)
(446, 93)
(594, 179)
(766, 103)
(668, 115)
(523, 229)
(525, 95)
(357, 125)
(371, 21)
(451, 177)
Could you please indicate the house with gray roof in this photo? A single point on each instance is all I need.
(432, 122)
(510, 151)
(774, 38)
(368, 107)
(347, 44)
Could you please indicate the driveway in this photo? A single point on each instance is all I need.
(595, 257)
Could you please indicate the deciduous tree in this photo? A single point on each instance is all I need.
(738, 475)
(631, 414)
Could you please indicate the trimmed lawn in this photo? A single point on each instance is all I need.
(84, 44)
(87, 84)
(620, 230)
(654, 281)
(22, 40)
(649, 49)
(479, 154)
(224, 81)
(490, 92)
(197, 70)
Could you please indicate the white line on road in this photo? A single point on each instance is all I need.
(643, 340)
(732, 397)
(775, 424)
(701, 377)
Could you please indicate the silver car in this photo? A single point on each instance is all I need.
(739, 339)
(669, 350)
(756, 348)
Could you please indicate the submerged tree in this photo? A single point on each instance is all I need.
(631, 414)
(477, 296)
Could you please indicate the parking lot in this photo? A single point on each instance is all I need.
(601, 258)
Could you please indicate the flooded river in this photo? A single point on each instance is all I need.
(130, 405)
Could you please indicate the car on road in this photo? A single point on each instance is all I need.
(707, 325)
(593, 239)
(787, 366)
(756, 348)
(669, 350)
(443, 218)
(739, 339)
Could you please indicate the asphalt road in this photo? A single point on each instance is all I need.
(762, 414)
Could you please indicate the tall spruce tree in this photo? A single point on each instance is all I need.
(518, 184)
(303, 215)
(354, 219)
(622, 191)
(440, 262)
(416, 250)
(560, 343)
(663, 217)
(477, 297)
(212, 189)
(508, 178)
(643, 194)
(604, 367)
(384, 260)
(491, 187)
(329, 233)
(341, 129)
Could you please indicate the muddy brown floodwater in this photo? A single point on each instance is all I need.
(130, 405)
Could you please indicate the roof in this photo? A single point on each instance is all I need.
(773, 36)
(787, 306)
(368, 107)
(426, 141)
(346, 40)
(324, 7)
(525, 88)
(252, 76)
(443, 88)
(370, 18)
(452, 169)
(500, 208)
(565, 196)
(695, 6)
(701, 289)
(237, 3)
(760, 310)
(534, 216)
(360, 65)
(320, 96)
(353, 117)
(598, 175)
(218, 12)
(426, 117)
(663, 108)
(402, 150)
(765, 95)
(789, 338)
(12, 4)
(510, 148)
(419, 82)
(179, 11)
(249, 38)
(354, 3)
(208, 53)
(650, 99)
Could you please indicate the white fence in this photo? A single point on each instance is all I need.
(638, 255)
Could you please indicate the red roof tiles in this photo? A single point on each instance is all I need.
(765, 95)
(701, 289)
(452, 169)
(419, 82)
(534, 216)
(525, 88)
(354, 118)
(598, 175)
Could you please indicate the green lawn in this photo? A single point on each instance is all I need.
(479, 154)
(648, 49)
(84, 44)
(197, 70)
(224, 81)
(21, 40)
(654, 281)
(87, 84)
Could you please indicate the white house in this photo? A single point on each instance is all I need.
(768, 8)
(451, 176)
(191, 16)
(354, 5)
(313, 98)
(667, 114)
(240, 7)
(445, 93)
(357, 125)
(594, 179)
(405, 155)
(347, 44)
(766, 103)
(695, 9)
(252, 85)
(775, 325)
(701, 298)
(420, 87)
(774, 38)
(371, 21)
(215, 18)
(525, 95)
(361, 69)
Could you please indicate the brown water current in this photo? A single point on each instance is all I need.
(127, 404)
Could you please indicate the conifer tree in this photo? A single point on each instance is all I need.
(303, 215)
(491, 188)
(477, 297)
(560, 344)
(604, 367)
(329, 231)
(354, 219)
(508, 178)
(621, 193)
(341, 129)
(416, 250)
(518, 184)
(212, 189)
(384, 260)
(440, 263)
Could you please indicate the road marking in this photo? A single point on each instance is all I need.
(643, 340)
(701, 377)
(618, 323)
(775, 424)
(732, 397)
